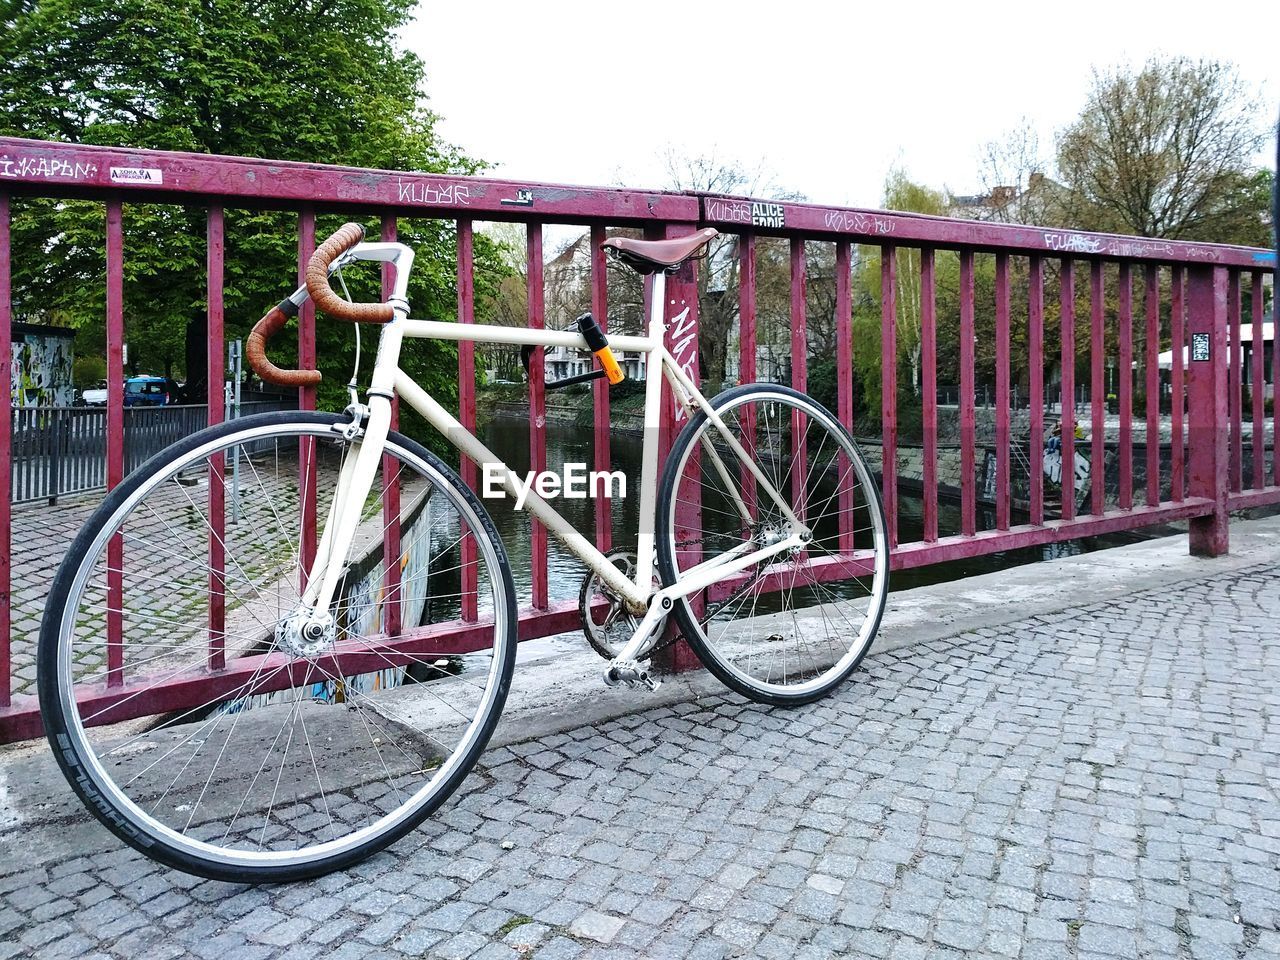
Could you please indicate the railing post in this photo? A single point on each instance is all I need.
(888, 388)
(1206, 378)
(799, 371)
(392, 547)
(53, 466)
(470, 572)
(747, 350)
(536, 303)
(681, 315)
(601, 453)
(6, 454)
(308, 466)
(117, 439)
(1035, 356)
(215, 374)
(966, 400)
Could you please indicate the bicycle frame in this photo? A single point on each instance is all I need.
(388, 380)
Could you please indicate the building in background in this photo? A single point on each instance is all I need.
(1041, 202)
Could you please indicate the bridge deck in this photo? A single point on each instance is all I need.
(1044, 776)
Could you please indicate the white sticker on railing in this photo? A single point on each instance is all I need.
(1200, 347)
(149, 175)
(769, 215)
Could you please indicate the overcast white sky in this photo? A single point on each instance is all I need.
(826, 96)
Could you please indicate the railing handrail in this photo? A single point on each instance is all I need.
(70, 170)
(874, 226)
(65, 169)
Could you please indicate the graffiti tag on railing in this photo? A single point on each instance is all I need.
(46, 168)
(1138, 248)
(434, 194)
(768, 215)
(684, 348)
(1201, 253)
(853, 222)
(1072, 243)
(729, 211)
(771, 216)
(133, 175)
(1060, 242)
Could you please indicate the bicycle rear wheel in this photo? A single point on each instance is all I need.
(788, 630)
(246, 753)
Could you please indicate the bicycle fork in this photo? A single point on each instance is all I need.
(312, 627)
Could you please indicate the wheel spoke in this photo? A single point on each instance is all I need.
(793, 627)
(300, 751)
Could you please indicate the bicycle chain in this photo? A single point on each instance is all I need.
(677, 636)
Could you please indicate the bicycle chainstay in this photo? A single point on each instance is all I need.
(677, 636)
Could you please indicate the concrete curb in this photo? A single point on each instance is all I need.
(558, 685)
(563, 692)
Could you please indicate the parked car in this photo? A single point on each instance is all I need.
(95, 396)
(150, 391)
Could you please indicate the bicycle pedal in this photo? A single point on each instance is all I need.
(645, 680)
(629, 672)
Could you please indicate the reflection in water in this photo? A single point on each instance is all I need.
(509, 438)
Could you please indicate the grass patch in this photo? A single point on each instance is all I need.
(519, 920)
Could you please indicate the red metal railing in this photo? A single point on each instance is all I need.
(1200, 284)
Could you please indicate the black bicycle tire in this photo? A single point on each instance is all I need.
(81, 775)
(668, 573)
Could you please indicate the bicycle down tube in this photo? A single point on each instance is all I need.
(358, 474)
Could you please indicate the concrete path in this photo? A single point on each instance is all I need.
(1090, 769)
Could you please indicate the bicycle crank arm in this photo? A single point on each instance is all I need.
(624, 668)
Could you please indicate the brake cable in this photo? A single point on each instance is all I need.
(353, 390)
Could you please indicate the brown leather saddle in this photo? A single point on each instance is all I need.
(651, 256)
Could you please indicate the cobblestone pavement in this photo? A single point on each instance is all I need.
(41, 535)
(1099, 783)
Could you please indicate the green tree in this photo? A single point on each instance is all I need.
(902, 194)
(719, 273)
(1168, 152)
(280, 79)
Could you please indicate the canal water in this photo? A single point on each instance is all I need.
(567, 443)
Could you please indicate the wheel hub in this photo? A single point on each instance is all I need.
(303, 635)
(770, 533)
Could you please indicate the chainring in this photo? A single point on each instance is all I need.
(608, 632)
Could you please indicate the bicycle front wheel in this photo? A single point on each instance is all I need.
(203, 730)
(790, 628)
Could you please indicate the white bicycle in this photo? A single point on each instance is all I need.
(256, 699)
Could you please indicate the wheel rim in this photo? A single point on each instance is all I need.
(794, 626)
(363, 764)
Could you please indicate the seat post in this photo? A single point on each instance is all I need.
(652, 429)
(657, 308)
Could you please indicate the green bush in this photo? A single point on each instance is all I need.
(87, 371)
(626, 389)
(866, 406)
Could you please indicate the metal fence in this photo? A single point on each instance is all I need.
(57, 451)
(1188, 296)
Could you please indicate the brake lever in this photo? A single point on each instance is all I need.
(300, 296)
